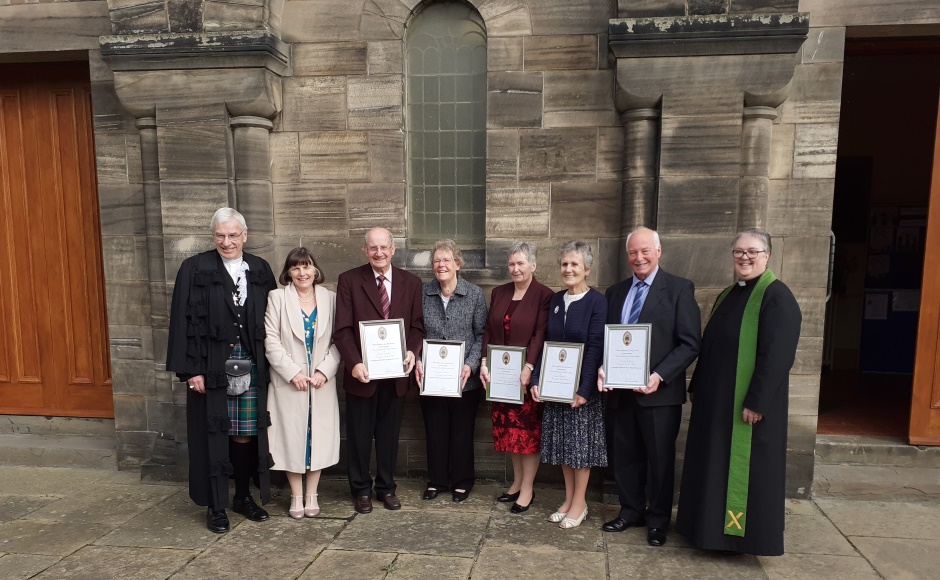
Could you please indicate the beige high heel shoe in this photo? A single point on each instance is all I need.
(569, 523)
(311, 507)
(298, 511)
(557, 517)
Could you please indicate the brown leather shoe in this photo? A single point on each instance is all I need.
(363, 504)
(390, 501)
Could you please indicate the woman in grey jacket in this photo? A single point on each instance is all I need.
(454, 309)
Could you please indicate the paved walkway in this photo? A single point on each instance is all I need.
(95, 523)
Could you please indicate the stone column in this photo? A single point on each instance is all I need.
(253, 190)
(755, 166)
(640, 164)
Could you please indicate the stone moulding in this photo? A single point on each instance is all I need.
(708, 35)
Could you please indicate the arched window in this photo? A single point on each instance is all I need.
(445, 99)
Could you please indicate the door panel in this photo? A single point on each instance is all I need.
(52, 306)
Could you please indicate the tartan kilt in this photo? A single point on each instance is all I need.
(243, 409)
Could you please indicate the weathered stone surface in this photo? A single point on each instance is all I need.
(131, 413)
(704, 260)
(48, 538)
(799, 269)
(30, 27)
(418, 567)
(698, 7)
(815, 535)
(285, 157)
(311, 210)
(139, 16)
(876, 482)
(315, 104)
(897, 558)
(133, 377)
(610, 153)
(514, 99)
(110, 562)
(763, 5)
(124, 257)
(815, 94)
(189, 205)
(504, 54)
(121, 207)
(814, 150)
(869, 12)
(533, 563)
(233, 15)
(193, 152)
(517, 211)
(375, 102)
(824, 45)
(579, 98)
(502, 155)
(557, 154)
(698, 205)
(813, 306)
(334, 156)
(781, 151)
(128, 303)
(383, 19)
(24, 565)
(385, 57)
(579, 208)
(513, 23)
(649, 8)
(701, 145)
(16, 506)
(800, 207)
(111, 157)
(340, 563)
(571, 16)
(673, 562)
(174, 523)
(387, 155)
(561, 52)
(794, 566)
(374, 204)
(414, 532)
(513, 531)
(320, 20)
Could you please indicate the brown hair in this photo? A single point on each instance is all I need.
(298, 257)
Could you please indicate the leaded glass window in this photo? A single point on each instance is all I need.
(445, 49)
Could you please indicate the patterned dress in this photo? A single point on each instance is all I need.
(516, 428)
(310, 331)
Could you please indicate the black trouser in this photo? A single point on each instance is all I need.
(376, 418)
(645, 461)
(448, 429)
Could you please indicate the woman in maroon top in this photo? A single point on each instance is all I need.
(518, 316)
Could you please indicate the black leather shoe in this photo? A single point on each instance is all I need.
(459, 496)
(619, 524)
(390, 501)
(363, 504)
(508, 497)
(247, 507)
(656, 537)
(216, 521)
(430, 493)
(518, 509)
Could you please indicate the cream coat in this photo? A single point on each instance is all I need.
(287, 355)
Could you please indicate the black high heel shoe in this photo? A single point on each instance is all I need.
(508, 497)
(518, 509)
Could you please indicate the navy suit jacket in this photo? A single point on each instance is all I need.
(676, 336)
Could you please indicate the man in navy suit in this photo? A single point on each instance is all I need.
(374, 408)
(645, 422)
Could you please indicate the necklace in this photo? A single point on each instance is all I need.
(302, 301)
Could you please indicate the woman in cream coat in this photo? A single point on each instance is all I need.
(304, 432)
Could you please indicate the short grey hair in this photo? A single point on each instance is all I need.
(579, 247)
(763, 236)
(227, 214)
(448, 245)
(644, 229)
(528, 249)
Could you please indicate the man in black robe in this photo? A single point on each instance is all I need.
(733, 481)
(217, 315)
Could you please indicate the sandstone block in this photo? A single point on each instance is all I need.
(815, 94)
(285, 157)
(383, 20)
(111, 157)
(706, 260)
(329, 58)
(579, 98)
(193, 152)
(847, 13)
(650, 8)
(801, 265)
(800, 207)
(124, 257)
(513, 23)
(814, 150)
(233, 15)
(824, 45)
(385, 57)
(504, 54)
(188, 205)
(375, 102)
(557, 154)
(320, 20)
(517, 211)
(315, 103)
(502, 155)
(139, 16)
(610, 153)
(585, 209)
(310, 210)
(122, 209)
(561, 52)
(781, 151)
(701, 145)
(698, 205)
(571, 16)
(514, 99)
(376, 204)
(334, 156)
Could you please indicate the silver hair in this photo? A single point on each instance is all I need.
(528, 249)
(448, 245)
(227, 214)
(580, 247)
(645, 229)
(365, 238)
(761, 235)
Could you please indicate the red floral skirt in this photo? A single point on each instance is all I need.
(518, 428)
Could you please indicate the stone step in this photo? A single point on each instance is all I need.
(33, 425)
(876, 451)
(57, 442)
(876, 482)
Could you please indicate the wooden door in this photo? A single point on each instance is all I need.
(54, 356)
(925, 400)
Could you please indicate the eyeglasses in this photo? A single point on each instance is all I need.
(375, 249)
(224, 237)
(443, 262)
(752, 253)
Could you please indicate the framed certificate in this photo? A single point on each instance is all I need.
(505, 366)
(383, 348)
(560, 371)
(627, 355)
(442, 361)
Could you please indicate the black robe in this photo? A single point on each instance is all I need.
(701, 516)
(203, 328)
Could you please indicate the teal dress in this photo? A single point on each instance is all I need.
(310, 331)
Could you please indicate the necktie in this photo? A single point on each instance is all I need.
(383, 295)
(638, 293)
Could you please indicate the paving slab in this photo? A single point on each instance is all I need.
(343, 564)
(482, 499)
(332, 495)
(538, 563)
(415, 532)
(61, 480)
(883, 519)
(814, 535)
(800, 507)
(277, 548)
(50, 538)
(420, 567)
(176, 522)
(96, 562)
(103, 503)
(14, 566)
(627, 561)
(901, 559)
(801, 566)
(17, 506)
(532, 529)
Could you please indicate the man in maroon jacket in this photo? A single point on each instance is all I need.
(375, 291)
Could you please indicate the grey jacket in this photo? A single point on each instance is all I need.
(464, 320)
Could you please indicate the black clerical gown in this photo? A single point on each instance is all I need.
(702, 499)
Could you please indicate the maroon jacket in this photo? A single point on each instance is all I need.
(529, 321)
(357, 300)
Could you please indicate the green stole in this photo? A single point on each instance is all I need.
(739, 469)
